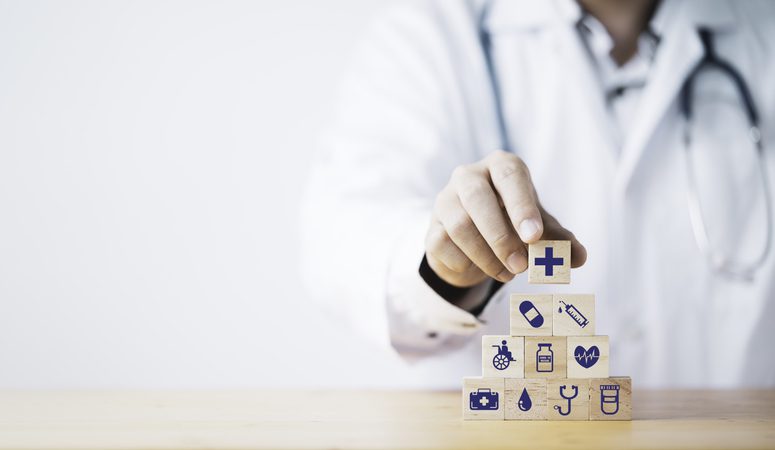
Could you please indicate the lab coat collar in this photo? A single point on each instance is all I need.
(523, 15)
(675, 24)
(680, 50)
(516, 15)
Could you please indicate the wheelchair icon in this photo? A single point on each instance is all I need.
(503, 358)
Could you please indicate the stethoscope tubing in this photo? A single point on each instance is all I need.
(710, 59)
(720, 263)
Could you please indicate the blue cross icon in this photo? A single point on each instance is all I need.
(549, 261)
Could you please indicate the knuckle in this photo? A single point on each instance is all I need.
(502, 242)
(472, 189)
(439, 267)
(445, 256)
(436, 240)
(459, 265)
(455, 260)
(512, 168)
(460, 172)
(445, 201)
(487, 262)
(521, 263)
(491, 267)
(464, 173)
(460, 226)
(507, 170)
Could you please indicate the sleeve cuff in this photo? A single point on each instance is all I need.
(472, 299)
(420, 319)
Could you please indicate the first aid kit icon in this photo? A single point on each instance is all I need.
(483, 400)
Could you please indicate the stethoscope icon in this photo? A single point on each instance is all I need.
(568, 398)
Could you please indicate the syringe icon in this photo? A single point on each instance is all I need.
(575, 314)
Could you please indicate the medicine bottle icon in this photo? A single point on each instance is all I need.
(609, 399)
(544, 358)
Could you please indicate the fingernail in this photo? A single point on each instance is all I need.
(528, 229)
(516, 263)
(505, 276)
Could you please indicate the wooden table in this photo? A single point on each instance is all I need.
(352, 419)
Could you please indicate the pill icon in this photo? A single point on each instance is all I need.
(531, 314)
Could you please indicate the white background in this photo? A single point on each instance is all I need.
(152, 155)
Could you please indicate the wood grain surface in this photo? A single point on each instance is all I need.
(366, 419)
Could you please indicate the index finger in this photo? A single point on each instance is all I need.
(512, 181)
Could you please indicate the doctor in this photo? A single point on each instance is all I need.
(463, 124)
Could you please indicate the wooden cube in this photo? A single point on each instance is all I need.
(546, 357)
(574, 315)
(548, 262)
(530, 314)
(567, 399)
(588, 356)
(503, 356)
(525, 399)
(483, 398)
(609, 398)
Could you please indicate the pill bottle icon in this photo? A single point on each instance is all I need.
(544, 358)
(609, 399)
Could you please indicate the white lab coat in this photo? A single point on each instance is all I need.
(417, 103)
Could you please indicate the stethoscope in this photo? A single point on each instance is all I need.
(567, 398)
(719, 262)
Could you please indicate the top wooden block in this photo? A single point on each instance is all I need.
(548, 262)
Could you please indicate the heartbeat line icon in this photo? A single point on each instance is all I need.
(586, 358)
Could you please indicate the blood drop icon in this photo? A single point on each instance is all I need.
(524, 402)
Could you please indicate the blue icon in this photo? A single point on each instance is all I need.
(483, 400)
(503, 358)
(549, 261)
(586, 358)
(524, 402)
(531, 314)
(544, 358)
(609, 399)
(568, 398)
(575, 314)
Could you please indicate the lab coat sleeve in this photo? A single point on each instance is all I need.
(398, 133)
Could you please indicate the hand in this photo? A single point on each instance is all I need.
(483, 219)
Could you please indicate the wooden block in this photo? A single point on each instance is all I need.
(483, 398)
(503, 360)
(546, 357)
(567, 399)
(525, 399)
(574, 315)
(548, 262)
(531, 315)
(609, 398)
(588, 356)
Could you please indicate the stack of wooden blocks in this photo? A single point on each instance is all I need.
(551, 366)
